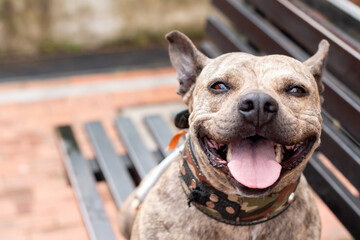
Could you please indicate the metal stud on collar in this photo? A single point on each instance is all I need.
(291, 197)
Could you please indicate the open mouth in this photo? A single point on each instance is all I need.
(255, 162)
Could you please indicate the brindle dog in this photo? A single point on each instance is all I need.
(254, 123)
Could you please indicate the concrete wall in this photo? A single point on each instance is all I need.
(30, 27)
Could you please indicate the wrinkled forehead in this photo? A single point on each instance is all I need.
(260, 68)
(230, 63)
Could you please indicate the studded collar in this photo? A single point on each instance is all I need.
(230, 209)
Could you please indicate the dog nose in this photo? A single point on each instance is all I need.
(258, 108)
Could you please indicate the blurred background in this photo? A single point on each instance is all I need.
(43, 30)
(36, 27)
(69, 62)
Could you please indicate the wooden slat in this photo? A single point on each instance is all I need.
(337, 96)
(342, 152)
(343, 60)
(114, 170)
(160, 131)
(209, 49)
(224, 37)
(269, 39)
(351, 37)
(142, 159)
(258, 31)
(341, 202)
(338, 16)
(84, 185)
(95, 168)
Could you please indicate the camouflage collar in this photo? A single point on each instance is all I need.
(230, 209)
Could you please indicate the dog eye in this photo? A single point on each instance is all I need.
(297, 91)
(219, 87)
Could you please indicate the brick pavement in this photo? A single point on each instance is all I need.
(35, 200)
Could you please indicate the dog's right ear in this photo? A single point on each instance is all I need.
(187, 60)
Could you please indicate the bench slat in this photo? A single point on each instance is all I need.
(342, 32)
(343, 18)
(342, 59)
(114, 170)
(343, 153)
(224, 37)
(269, 39)
(84, 185)
(337, 96)
(142, 159)
(209, 49)
(160, 131)
(341, 202)
(258, 31)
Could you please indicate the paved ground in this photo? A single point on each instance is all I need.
(35, 200)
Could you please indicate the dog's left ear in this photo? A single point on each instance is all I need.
(316, 64)
(187, 60)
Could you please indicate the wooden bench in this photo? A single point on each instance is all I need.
(257, 27)
(290, 28)
(121, 173)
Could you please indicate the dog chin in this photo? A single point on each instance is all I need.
(255, 165)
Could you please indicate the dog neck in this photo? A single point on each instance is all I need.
(231, 209)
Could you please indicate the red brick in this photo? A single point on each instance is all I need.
(332, 229)
(69, 233)
(8, 208)
(30, 158)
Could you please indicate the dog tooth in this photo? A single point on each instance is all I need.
(278, 153)
(213, 144)
(228, 153)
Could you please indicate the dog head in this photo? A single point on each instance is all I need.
(254, 121)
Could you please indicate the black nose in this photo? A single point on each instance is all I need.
(258, 108)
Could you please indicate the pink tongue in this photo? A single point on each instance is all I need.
(253, 164)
